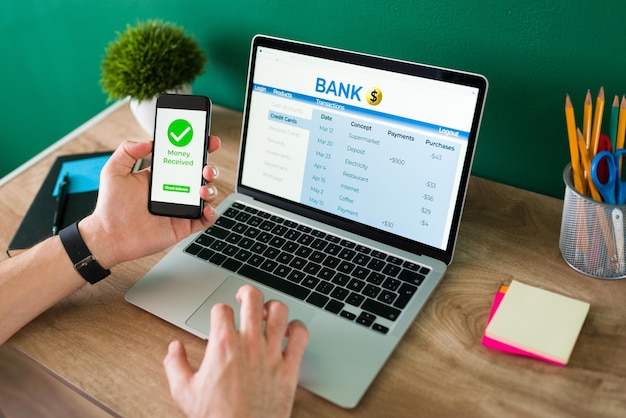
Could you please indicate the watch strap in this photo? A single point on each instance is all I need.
(84, 262)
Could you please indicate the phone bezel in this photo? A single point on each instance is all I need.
(186, 102)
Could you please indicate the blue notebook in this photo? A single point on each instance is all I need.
(84, 171)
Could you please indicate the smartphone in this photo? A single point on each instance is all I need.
(179, 153)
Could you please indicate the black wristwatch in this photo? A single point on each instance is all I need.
(84, 262)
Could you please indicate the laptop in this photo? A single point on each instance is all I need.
(352, 176)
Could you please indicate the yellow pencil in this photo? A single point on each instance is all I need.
(573, 146)
(587, 166)
(597, 123)
(587, 111)
(621, 125)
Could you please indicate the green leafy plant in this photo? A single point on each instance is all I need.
(150, 58)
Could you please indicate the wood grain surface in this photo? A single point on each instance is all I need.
(111, 351)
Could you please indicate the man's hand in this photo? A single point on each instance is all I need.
(245, 372)
(121, 227)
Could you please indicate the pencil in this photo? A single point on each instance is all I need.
(587, 166)
(613, 123)
(573, 146)
(597, 123)
(588, 110)
(621, 125)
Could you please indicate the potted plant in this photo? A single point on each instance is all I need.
(148, 59)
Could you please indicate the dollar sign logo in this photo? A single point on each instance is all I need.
(375, 96)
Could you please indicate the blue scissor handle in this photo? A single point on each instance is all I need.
(614, 190)
(607, 190)
(620, 184)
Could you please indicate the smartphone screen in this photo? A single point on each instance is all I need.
(179, 153)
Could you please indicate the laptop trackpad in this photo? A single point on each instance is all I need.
(226, 292)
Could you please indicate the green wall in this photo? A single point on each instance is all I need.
(533, 53)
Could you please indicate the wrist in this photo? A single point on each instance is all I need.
(84, 261)
(98, 242)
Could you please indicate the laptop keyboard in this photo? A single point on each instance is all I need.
(358, 283)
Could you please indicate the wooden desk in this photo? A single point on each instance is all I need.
(111, 351)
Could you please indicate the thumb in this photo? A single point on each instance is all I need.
(124, 157)
(177, 369)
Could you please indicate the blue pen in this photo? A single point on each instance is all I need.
(61, 199)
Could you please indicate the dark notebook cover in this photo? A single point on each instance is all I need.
(36, 225)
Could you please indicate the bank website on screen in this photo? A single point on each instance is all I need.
(377, 147)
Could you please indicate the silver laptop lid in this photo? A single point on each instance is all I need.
(380, 147)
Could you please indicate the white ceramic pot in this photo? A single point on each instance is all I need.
(145, 110)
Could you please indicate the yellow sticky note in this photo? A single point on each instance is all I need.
(538, 321)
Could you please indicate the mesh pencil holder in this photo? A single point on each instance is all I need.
(592, 234)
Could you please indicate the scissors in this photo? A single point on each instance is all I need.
(617, 216)
(613, 190)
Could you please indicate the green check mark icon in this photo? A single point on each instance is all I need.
(180, 133)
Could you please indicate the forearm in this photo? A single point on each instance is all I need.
(120, 229)
(32, 282)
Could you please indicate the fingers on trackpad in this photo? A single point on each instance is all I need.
(226, 293)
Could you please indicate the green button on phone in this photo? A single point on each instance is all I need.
(176, 188)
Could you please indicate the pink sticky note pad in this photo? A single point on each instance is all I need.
(497, 345)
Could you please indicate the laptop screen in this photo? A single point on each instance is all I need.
(378, 146)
